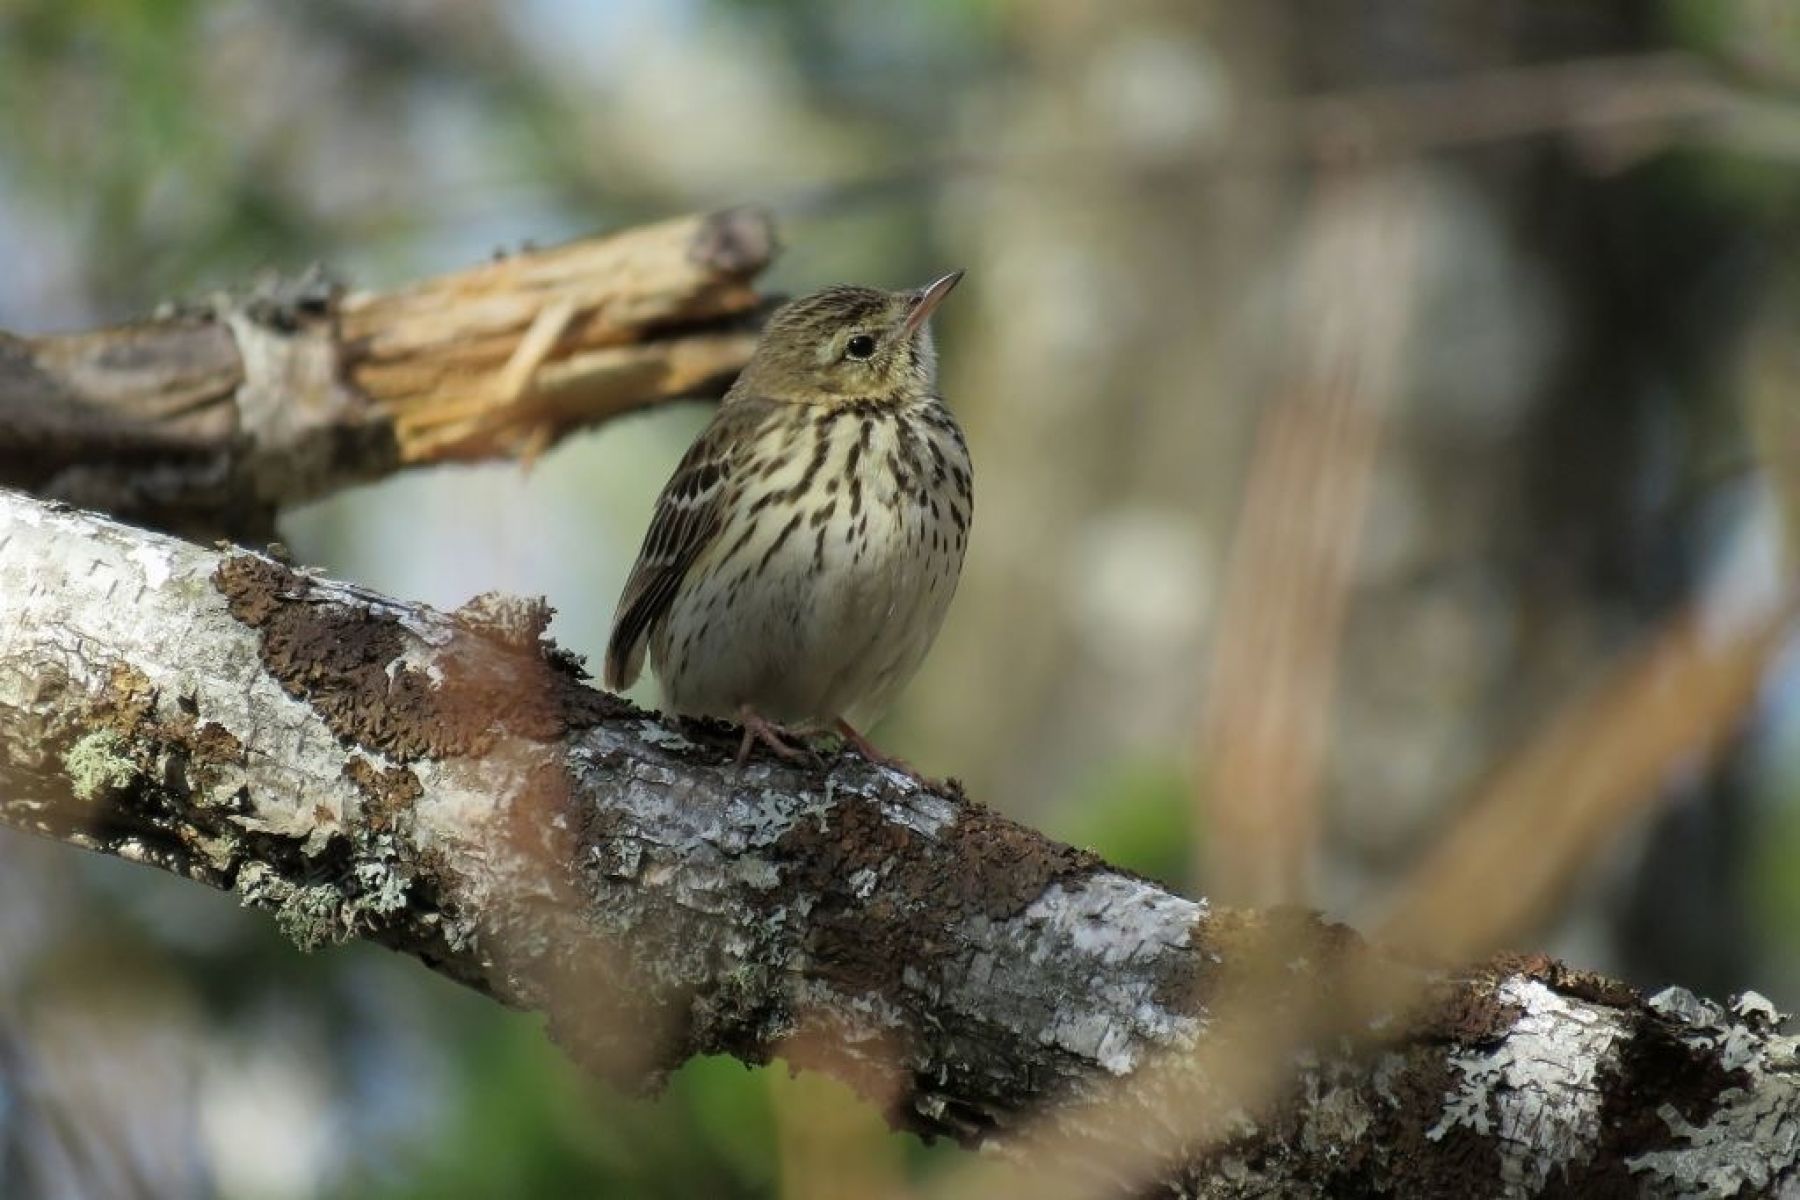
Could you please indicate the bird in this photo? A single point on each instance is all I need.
(801, 559)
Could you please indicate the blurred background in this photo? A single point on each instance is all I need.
(1386, 442)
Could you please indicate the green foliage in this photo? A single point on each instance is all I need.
(523, 1122)
(1755, 46)
(1773, 884)
(1762, 30)
(104, 112)
(1137, 813)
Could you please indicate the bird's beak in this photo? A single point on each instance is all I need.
(930, 297)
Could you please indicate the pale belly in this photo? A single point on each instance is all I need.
(817, 620)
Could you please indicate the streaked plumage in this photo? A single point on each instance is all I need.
(800, 561)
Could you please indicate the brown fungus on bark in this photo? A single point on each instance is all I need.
(923, 886)
(1378, 1030)
(1565, 980)
(1287, 968)
(888, 907)
(1433, 1159)
(520, 622)
(1656, 1072)
(334, 656)
(347, 659)
(1287, 1147)
(388, 792)
(1468, 1012)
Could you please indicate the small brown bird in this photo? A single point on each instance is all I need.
(802, 557)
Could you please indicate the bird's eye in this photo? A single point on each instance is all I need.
(860, 346)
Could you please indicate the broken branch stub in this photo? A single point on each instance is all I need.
(211, 420)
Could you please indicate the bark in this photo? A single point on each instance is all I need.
(207, 421)
(445, 784)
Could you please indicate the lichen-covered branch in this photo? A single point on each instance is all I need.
(206, 421)
(446, 784)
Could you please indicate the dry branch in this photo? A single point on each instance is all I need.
(446, 785)
(1529, 834)
(1266, 725)
(208, 421)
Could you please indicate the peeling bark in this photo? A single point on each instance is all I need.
(446, 784)
(208, 421)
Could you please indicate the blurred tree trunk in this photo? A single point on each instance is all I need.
(1579, 297)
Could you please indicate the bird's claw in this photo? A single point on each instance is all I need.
(773, 737)
(870, 753)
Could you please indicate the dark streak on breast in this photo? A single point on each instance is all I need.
(821, 449)
(780, 538)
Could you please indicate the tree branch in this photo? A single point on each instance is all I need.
(446, 785)
(208, 421)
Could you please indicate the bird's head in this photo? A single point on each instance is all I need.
(846, 344)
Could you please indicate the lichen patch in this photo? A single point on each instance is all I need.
(1537, 1093)
(98, 764)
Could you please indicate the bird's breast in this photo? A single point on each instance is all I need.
(895, 499)
(835, 574)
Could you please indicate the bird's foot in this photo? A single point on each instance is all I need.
(758, 729)
(880, 758)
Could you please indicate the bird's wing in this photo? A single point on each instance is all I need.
(689, 514)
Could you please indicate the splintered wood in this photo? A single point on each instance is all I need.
(502, 359)
(211, 420)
